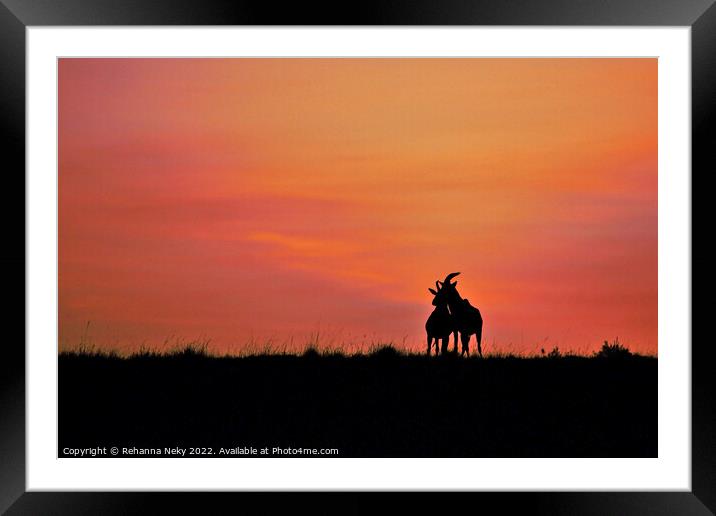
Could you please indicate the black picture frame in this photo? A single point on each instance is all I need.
(16, 15)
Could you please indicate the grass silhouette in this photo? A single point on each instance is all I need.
(382, 402)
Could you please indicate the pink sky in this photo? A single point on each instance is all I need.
(266, 200)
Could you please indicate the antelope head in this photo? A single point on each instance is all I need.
(447, 288)
(437, 299)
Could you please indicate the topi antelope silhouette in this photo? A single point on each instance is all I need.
(466, 318)
(441, 323)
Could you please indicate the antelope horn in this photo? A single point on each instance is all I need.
(450, 276)
(437, 284)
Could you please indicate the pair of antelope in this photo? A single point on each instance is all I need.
(452, 314)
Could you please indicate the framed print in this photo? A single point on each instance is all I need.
(417, 250)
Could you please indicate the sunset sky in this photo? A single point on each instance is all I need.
(255, 201)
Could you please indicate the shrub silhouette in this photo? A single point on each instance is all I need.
(613, 350)
(192, 350)
(311, 352)
(386, 351)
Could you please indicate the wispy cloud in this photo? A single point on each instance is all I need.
(238, 198)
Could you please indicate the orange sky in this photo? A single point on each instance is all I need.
(265, 200)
